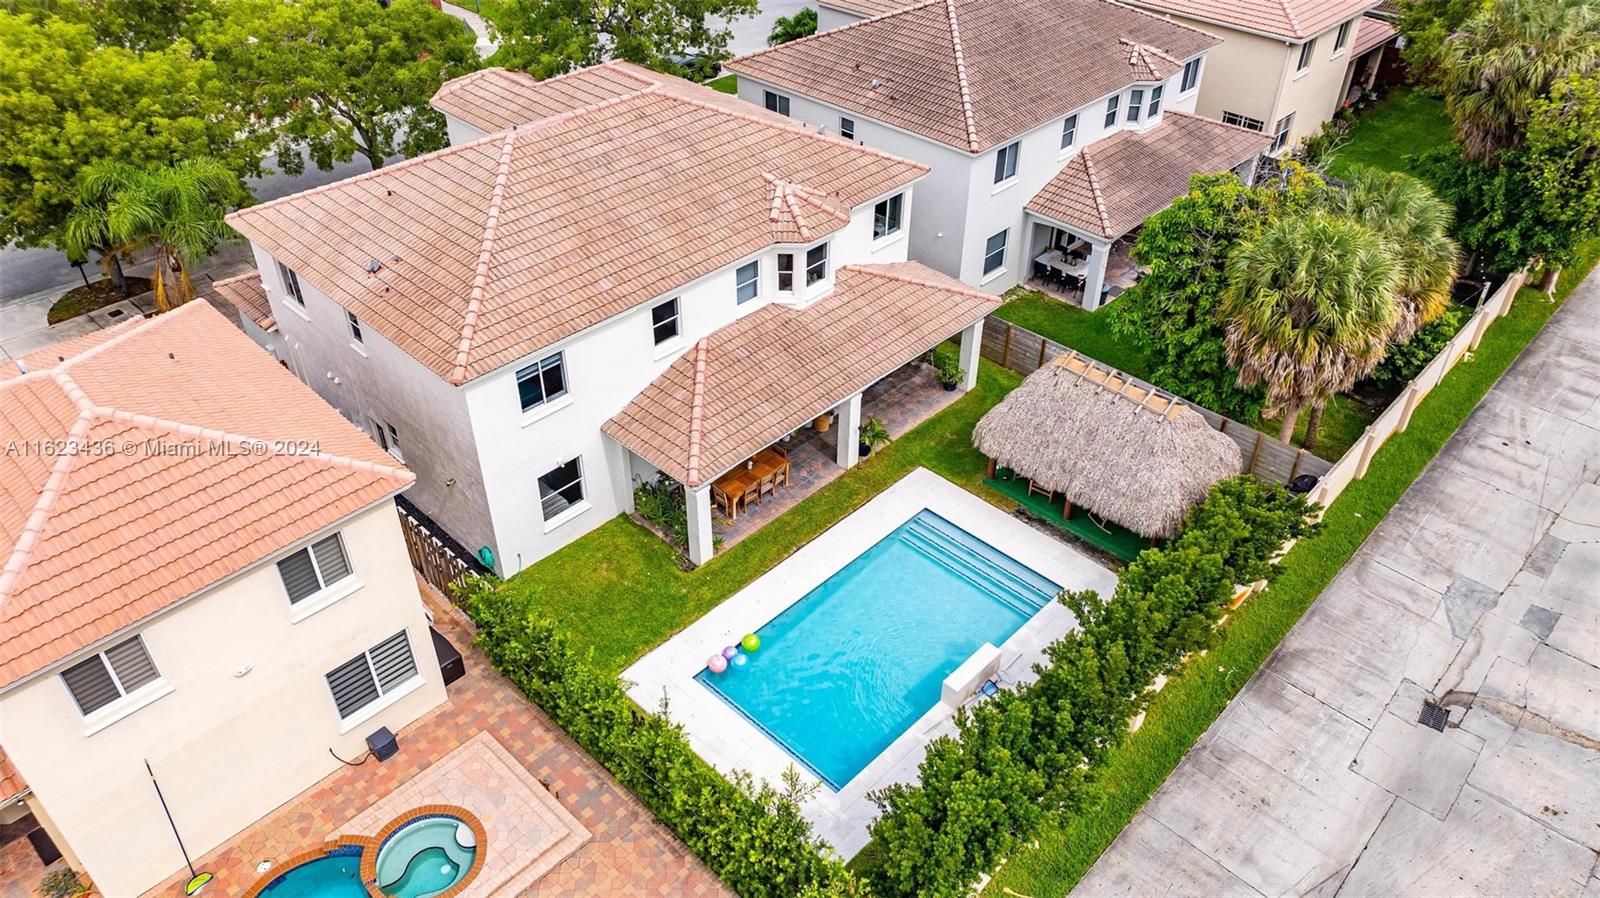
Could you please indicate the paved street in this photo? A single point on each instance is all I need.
(1481, 591)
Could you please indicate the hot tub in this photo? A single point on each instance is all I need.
(425, 856)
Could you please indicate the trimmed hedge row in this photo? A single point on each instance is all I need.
(1028, 752)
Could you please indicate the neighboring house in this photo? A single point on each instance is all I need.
(1367, 55)
(487, 309)
(1049, 126)
(254, 312)
(203, 571)
(1284, 66)
(833, 14)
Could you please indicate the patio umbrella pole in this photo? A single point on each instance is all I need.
(197, 881)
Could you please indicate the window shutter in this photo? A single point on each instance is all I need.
(392, 660)
(299, 577)
(91, 685)
(331, 559)
(132, 664)
(352, 686)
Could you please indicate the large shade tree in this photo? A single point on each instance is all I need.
(1310, 307)
(549, 37)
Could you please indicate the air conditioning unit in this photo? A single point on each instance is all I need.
(382, 744)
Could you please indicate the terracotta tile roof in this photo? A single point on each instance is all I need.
(249, 296)
(1294, 19)
(92, 541)
(975, 73)
(746, 385)
(11, 782)
(867, 8)
(1114, 184)
(1371, 33)
(490, 250)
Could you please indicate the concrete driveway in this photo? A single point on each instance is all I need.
(1480, 592)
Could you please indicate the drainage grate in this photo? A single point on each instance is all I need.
(1434, 715)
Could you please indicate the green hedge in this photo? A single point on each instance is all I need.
(1028, 752)
(751, 836)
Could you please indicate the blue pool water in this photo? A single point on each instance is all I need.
(846, 669)
(336, 876)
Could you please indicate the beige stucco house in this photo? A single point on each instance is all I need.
(203, 571)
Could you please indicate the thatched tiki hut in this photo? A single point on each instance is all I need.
(1140, 457)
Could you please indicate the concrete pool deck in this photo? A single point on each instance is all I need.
(729, 741)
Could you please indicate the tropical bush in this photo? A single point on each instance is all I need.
(946, 364)
(1406, 360)
(62, 883)
(1027, 753)
(661, 502)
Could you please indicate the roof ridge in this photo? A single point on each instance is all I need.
(797, 127)
(480, 277)
(961, 75)
(1094, 191)
(923, 4)
(878, 270)
(473, 77)
(1294, 21)
(40, 513)
(697, 410)
(1167, 18)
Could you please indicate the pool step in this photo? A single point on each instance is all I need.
(1008, 582)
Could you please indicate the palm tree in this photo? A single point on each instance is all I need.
(1415, 226)
(177, 211)
(1505, 58)
(1309, 306)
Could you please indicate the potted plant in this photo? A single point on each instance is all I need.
(823, 422)
(872, 434)
(947, 367)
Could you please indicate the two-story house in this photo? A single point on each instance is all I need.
(202, 571)
(1052, 128)
(607, 236)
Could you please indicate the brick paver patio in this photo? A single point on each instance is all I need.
(628, 852)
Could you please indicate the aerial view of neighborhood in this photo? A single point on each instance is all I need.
(799, 448)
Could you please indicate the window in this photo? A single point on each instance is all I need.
(560, 488)
(747, 282)
(1243, 121)
(1111, 110)
(994, 253)
(394, 442)
(542, 382)
(388, 438)
(664, 320)
(110, 675)
(816, 263)
(1280, 132)
(847, 128)
(786, 272)
(291, 284)
(1155, 101)
(314, 568)
(1191, 76)
(1135, 103)
(1306, 50)
(1005, 162)
(355, 326)
(886, 217)
(372, 674)
(776, 102)
(1342, 38)
(1069, 131)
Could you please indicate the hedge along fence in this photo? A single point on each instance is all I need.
(1352, 466)
(1266, 457)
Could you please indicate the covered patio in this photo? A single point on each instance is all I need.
(1079, 226)
(749, 395)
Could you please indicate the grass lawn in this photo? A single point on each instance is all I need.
(728, 84)
(1194, 698)
(1405, 123)
(618, 590)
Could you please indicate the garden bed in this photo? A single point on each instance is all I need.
(98, 295)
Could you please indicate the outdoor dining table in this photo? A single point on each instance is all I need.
(1057, 259)
(745, 477)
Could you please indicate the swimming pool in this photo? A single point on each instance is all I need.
(847, 668)
(424, 854)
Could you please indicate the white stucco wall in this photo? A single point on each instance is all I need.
(248, 721)
(830, 17)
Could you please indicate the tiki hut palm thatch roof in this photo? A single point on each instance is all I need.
(1134, 454)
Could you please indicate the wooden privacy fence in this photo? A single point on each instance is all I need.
(1266, 457)
(1352, 466)
(434, 561)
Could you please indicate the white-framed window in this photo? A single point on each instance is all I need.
(388, 438)
(847, 128)
(371, 675)
(816, 263)
(291, 284)
(1005, 162)
(560, 488)
(355, 326)
(1069, 131)
(1342, 37)
(1191, 76)
(1307, 50)
(886, 216)
(1111, 109)
(1154, 109)
(664, 320)
(994, 253)
(1280, 132)
(747, 281)
(311, 569)
(775, 102)
(107, 677)
(542, 382)
(1135, 104)
(1243, 121)
(785, 273)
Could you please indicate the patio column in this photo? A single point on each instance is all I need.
(1095, 278)
(971, 342)
(697, 502)
(849, 425)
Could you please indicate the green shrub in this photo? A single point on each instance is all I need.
(62, 883)
(1405, 361)
(947, 364)
(661, 502)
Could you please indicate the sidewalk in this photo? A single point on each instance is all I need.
(1480, 592)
